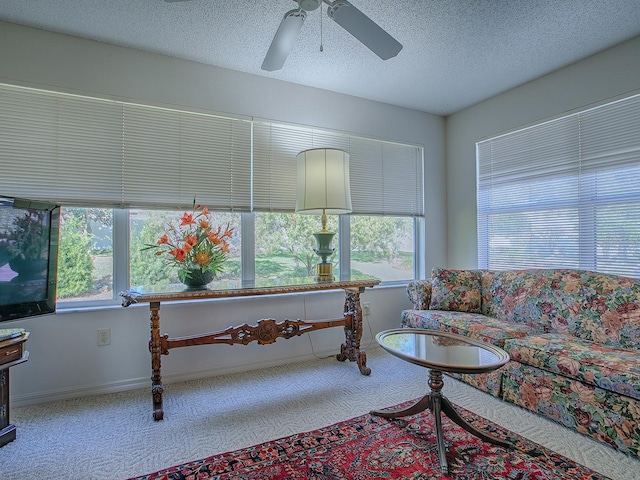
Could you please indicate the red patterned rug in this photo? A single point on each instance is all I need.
(369, 447)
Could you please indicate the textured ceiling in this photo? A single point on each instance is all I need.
(456, 52)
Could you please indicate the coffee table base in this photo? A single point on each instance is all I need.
(438, 404)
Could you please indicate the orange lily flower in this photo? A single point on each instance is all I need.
(179, 254)
(191, 240)
(214, 238)
(187, 219)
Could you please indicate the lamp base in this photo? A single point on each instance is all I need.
(324, 272)
(324, 269)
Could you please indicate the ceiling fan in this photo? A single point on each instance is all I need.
(369, 33)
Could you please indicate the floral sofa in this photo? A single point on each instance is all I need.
(573, 337)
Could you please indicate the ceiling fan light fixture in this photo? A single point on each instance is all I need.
(309, 5)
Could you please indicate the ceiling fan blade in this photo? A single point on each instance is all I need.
(364, 29)
(284, 40)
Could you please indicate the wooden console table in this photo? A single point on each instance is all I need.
(265, 331)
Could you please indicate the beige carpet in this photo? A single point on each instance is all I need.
(114, 436)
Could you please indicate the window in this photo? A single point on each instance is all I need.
(141, 164)
(564, 193)
(285, 244)
(383, 247)
(85, 256)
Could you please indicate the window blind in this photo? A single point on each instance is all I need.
(386, 178)
(77, 150)
(170, 157)
(564, 193)
(60, 148)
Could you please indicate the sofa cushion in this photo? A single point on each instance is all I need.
(421, 319)
(483, 328)
(612, 369)
(434, 319)
(472, 325)
(456, 290)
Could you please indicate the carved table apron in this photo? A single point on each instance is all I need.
(265, 331)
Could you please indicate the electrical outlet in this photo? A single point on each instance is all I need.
(366, 308)
(104, 336)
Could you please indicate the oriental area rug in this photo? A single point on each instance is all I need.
(370, 447)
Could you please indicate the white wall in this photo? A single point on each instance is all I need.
(608, 74)
(65, 360)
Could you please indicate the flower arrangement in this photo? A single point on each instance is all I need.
(195, 246)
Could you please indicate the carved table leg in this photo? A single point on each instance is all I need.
(350, 349)
(155, 347)
(436, 383)
(420, 406)
(438, 404)
(447, 408)
(431, 401)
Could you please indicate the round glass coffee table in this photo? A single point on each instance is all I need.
(441, 352)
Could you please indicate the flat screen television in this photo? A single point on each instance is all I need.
(29, 233)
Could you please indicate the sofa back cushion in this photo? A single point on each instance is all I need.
(603, 308)
(458, 290)
(522, 296)
(594, 306)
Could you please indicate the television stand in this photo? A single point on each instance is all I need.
(12, 352)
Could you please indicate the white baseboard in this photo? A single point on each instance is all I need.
(144, 382)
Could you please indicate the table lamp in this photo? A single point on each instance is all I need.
(323, 188)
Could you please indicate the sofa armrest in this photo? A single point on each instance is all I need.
(419, 292)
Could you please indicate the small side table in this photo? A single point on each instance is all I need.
(441, 352)
(12, 352)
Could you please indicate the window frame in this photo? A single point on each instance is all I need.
(121, 232)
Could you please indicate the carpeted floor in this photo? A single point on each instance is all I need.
(369, 447)
(114, 436)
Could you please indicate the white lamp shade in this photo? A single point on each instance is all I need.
(323, 182)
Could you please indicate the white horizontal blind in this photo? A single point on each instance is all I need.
(60, 148)
(171, 156)
(386, 178)
(610, 185)
(78, 150)
(565, 193)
